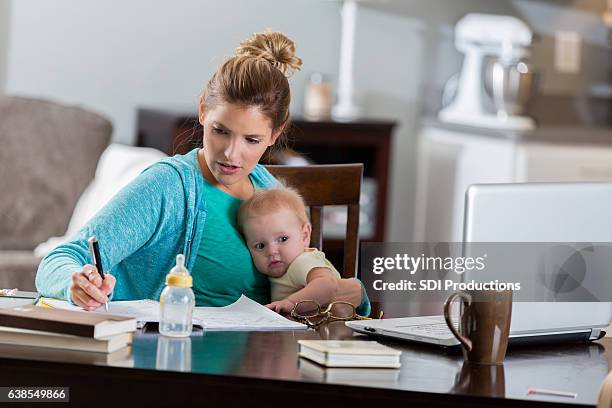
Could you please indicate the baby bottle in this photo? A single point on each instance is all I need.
(177, 301)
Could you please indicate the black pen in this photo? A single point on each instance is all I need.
(94, 251)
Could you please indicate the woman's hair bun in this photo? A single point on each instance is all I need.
(275, 48)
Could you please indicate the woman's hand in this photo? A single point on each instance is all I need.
(88, 290)
(284, 306)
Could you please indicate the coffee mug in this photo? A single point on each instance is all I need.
(484, 324)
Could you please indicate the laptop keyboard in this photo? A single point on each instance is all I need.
(439, 330)
(435, 329)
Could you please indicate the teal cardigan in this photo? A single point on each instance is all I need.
(141, 230)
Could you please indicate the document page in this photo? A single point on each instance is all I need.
(243, 314)
(144, 311)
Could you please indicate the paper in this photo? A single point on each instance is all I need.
(143, 310)
(243, 314)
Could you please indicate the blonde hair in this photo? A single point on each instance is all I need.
(266, 201)
(257, 75)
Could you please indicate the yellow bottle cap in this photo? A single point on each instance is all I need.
(181, 281)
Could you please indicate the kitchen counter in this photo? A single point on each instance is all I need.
(546, 134)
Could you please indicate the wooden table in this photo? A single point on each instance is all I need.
(249, 368)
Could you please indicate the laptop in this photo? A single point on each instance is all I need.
(525, 212)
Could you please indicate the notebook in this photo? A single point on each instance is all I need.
(12, 297)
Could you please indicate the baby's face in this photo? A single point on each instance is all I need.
(275, 240)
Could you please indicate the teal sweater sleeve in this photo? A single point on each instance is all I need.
(136, 216)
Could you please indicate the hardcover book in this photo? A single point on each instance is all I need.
(120, 358)
(349, 353)
(84, 324)
(36, 338)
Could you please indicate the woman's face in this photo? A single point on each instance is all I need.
(235, 138)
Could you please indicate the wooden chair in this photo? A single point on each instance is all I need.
(321, 185)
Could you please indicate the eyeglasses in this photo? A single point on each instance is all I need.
(310, 313)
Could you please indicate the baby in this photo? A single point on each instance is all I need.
(277, 233)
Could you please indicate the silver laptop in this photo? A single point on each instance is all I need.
(525, 212)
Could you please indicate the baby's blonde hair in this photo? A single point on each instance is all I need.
(266, 201)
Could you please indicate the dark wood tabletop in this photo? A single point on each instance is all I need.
(246, 368)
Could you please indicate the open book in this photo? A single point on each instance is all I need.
(243, 314)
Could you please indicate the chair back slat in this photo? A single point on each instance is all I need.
(316, 219)
(324, 185)
(351, 247)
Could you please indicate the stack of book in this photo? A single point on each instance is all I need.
(65, 329)
(349, 353)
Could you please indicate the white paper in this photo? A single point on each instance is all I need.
(143, 310)
(243, 314)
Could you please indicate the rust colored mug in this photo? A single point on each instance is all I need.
(484, 324)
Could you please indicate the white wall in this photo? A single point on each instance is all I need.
(5, 6)
(389, 88)
(115, 55)
(414, 51)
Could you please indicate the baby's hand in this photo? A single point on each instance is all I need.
(281, 306)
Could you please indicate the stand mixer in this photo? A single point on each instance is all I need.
(505, 41)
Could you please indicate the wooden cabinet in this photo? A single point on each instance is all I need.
(321, 142)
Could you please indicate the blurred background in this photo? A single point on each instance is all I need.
(142, 65)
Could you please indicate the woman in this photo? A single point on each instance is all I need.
(187, 204)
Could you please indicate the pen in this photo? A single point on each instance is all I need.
(532, 391)
(94, 251)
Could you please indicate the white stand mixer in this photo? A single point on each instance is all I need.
(479, 36)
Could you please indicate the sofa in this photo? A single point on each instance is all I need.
(48, 156)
